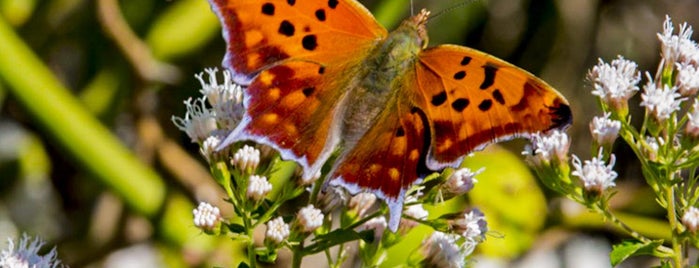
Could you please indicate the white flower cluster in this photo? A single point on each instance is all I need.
(277, 230)
(223, 112)
(595, 174)
(206, 216)
(309, 218)
(26, 255)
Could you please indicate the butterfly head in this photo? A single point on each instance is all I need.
(418, 22)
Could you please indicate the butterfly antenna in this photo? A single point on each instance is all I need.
(412, 8)
(451, 8)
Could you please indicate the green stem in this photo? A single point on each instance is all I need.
(80, 136)
(298, 255)
(672, 217)
(251, 241)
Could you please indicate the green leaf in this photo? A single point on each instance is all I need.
(340, 236)
(236, 228)
(626, 249)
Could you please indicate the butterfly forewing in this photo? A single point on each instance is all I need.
(473, 99)
(261, 33)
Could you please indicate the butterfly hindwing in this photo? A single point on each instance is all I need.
(474, 99)
(388, 158)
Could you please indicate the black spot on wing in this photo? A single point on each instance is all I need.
(268, 9)
(321, 70)
(465, 61)
(400, 132)
(286, 28)
(498, 97)
(308, 91)
(332, 3)
(291, 2)
(485, 105)
(439, 99)
(309, 42)
(320, 14)
(460, 104)
(562, 116)
(489, 71)
(460, 75)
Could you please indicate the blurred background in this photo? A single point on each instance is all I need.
(91, 162)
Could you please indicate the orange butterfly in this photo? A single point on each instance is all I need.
(323, 75)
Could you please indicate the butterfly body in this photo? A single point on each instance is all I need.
(322, 75)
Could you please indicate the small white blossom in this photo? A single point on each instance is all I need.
(545, 149)
(199, 122)
(309, 218)
(471, 225)
(258, 187)
(377, 224)
(680, 47)
(333, 198)
(442, 250)
(660, 102)
(687, 79)
(246, 159)
(604, 130)
(26, 255)
(225, 98)
(415, 211)
(206, 216)
(652, 145)
(362, 202)
(690, 219)
(461, 181)
(615, 83)
(595, 175)
(277, 230)
(692, 128)
(208, 147)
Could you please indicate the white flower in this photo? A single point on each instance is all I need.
(660, 102)
(416, 210)
(604, 130)
(547, 148)
(333, 198)
(377, 224)
(258, 187)
(595, 175)
(687, 79)
(26, 255)
(690, 219)
(362, 202)
(442, 250)
(692, 128)
(615, 83)
(471, 225)
(199, 122)
(206, 216)
(680, 47)
(225, 98)
(461, 181)
(246, 159)
(208, 147)
(652, 145)
(309, 218)
(277, 230)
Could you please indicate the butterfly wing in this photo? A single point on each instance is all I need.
(473, 99)
(389, 157)
(261, 33)
(297, 59)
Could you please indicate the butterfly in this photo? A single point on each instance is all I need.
(322, 76)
